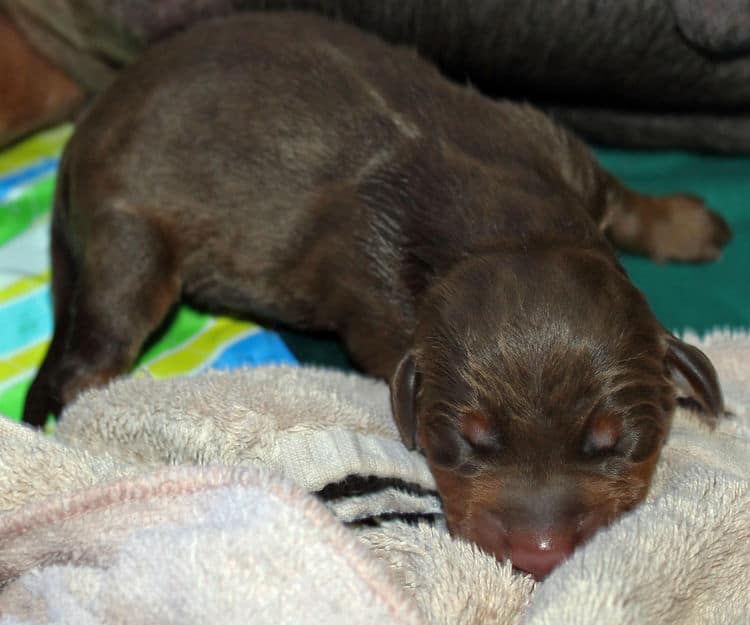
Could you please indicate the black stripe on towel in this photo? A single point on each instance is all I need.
(411, 518)
(356, 485)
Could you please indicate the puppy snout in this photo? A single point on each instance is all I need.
(530, 549)
(537, 553)
(535, 534)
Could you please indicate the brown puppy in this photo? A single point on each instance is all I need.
(294, 169)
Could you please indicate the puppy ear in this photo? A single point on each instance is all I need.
(694, 377)
(404, 386)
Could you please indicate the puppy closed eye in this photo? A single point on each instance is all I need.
(603, 435)
(476, 428)
(459, 443)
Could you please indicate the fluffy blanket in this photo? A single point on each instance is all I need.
(282, 495)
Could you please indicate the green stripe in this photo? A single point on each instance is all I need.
(11, 399)
(19, 213)
(46, 144)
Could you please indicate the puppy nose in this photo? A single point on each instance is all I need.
(538, 554)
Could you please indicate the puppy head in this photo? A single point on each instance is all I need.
(541, 389)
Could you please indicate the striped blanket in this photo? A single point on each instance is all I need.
(192, 342)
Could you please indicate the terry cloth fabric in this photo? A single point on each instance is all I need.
(283, 495)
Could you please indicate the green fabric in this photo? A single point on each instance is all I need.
(19, 213)
(698, 297)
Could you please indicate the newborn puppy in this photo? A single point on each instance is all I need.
(294, 169)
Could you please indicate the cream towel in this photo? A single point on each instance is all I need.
(96, 530)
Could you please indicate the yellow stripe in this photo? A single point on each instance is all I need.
(45, 144)
(196, 352)
(23, 286)
(22, 361)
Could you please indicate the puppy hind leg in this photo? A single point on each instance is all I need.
(126, 285)
(40, 401)
(674, 227)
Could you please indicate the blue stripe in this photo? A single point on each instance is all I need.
(9, 184)
(25, 321)
(261, 348)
